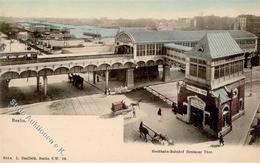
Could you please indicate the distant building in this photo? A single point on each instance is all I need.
(24, 36)
(212, 23)
(212, 94)
(250, 23)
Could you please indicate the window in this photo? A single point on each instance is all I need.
(222, 71)
(193, 60)
(202, 72)
(203, 62)
(232, 68)
(140, 50)
(226, 69)
(193, 70)
(216, 74)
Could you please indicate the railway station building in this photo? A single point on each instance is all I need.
(167, 48)
(212, 93)
(137, 56)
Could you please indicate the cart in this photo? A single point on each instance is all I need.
(119, 107)
(158, 138)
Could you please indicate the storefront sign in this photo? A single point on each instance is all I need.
(197, 90)
(197, 103)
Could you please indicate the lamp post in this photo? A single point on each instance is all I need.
(251, 79)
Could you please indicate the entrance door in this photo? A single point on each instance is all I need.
(196, 117)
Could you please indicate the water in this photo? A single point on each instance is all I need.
(77, 30)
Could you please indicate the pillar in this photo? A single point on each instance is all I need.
(38, 83)
(130, 78)
(45, 83)
(94, 77)
(166, 73)
(106, 80)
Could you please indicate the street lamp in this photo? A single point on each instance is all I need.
(251, 78)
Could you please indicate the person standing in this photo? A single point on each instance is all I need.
(221, 140)
(159, 113)
(134, 112)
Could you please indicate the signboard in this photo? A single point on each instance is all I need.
(197, 103)
(197, 90)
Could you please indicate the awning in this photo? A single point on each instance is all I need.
(222, 93)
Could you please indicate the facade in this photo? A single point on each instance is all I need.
(171, 45)
(151, 43)
(212, 94)
(250, 23)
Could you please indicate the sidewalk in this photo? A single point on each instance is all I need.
(242, 125)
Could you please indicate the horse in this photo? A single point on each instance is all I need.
(143, 131)
(136, 104)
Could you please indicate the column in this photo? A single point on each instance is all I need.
(135, 51)
(130, 78)
(106, 81)
(166, 73)
(38, 83)
(45, 83)
(94, 77)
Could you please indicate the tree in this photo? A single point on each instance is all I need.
(5, 28)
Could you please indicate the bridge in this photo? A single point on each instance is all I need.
(48, 65)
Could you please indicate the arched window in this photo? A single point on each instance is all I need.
(225, 116)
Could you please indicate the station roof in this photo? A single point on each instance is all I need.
(146, 36)
(215, 45)
(179, 47)
(222, 94)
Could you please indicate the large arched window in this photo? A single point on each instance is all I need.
(225, 116)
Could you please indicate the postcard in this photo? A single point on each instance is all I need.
(129, 81)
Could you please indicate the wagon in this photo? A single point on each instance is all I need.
(117, 106)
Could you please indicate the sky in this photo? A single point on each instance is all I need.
(168, 9)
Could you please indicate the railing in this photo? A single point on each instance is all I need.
(4, 62)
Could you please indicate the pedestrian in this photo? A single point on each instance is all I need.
(174, 108)
(97, 78)
(221, 140)
(160, 113)
(134, 113)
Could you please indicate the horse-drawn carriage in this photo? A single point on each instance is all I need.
(157, 138)
(76, 80)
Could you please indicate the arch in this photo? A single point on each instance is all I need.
(45, 72)
(76, 69)
(225, 116)
(28, 73)
(10, 75)
(129, 65)
(117, 65)
(91, 68)
(124, 37)
(61, 70)
(159, 62)
(103, 66)
(150, 63)
(141, 64)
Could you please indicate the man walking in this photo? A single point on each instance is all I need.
(221, 140)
